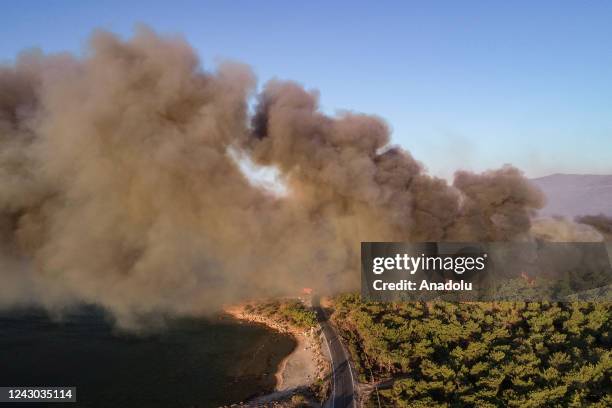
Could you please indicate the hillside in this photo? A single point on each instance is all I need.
(573, 195)
(504, 354)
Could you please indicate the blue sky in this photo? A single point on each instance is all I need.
(463, 84)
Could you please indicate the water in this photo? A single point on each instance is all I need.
(193, 363)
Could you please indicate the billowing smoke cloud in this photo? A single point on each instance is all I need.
(559, 229)
(119, 189)
(601, 223)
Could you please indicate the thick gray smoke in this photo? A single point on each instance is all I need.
(118, 187)
(601, 223)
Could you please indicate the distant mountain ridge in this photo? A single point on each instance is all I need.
(572, 195)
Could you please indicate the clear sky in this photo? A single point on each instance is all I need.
(463, 84)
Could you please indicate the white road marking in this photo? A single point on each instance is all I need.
(350, 370)
(332, 366)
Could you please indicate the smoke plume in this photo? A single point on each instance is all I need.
(119, 189)
(601, 223)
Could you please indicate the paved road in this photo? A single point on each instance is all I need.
(343, 393)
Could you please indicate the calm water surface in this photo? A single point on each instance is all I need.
(193, 363)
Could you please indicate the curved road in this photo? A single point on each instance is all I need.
(343, 393)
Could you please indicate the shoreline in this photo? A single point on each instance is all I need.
(302, 367)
